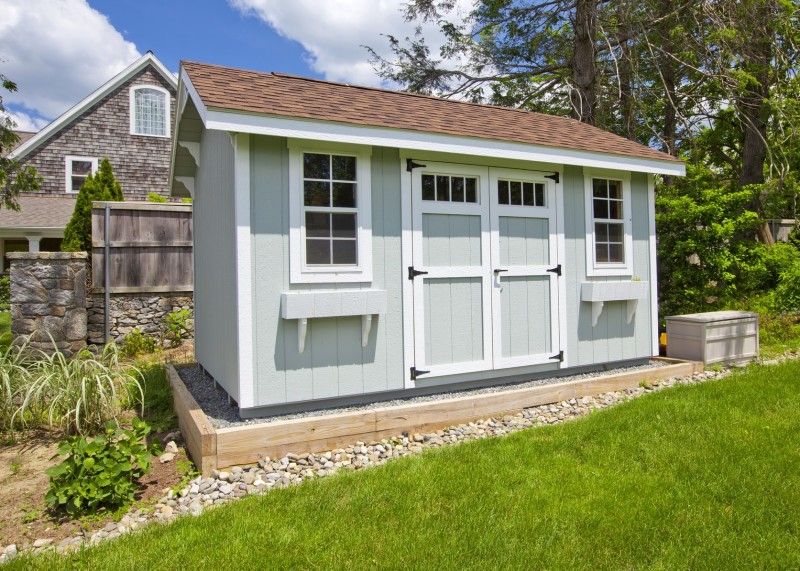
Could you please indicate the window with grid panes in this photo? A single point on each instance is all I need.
(330, 211)
(447, 188)
(150, 108)
(609, 226)
(520, 193)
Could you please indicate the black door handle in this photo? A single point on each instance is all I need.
(498, 270)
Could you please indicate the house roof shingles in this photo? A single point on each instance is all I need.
(230, 89)
(38, 212)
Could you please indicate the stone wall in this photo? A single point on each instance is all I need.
(145, 311)
(140, 163)
(48, 296)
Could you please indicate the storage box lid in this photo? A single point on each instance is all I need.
(712, 316)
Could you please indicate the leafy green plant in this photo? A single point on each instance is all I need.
(157, 406)
(100, 472)
(186, 200)
(787, 293)
(137, 343)
(153, 197)
(5, 292)
(78, 395)
(176, 326)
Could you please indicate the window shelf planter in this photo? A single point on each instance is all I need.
(341, 303)
(600, 292)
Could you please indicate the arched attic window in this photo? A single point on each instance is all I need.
(149, 111)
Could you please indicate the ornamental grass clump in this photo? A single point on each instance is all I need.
(78, 395)
(13, 377)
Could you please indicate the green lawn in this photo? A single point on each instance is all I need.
(704, 477)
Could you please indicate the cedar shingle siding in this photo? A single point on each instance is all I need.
(140, 163)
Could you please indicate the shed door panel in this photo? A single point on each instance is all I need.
(452, 295)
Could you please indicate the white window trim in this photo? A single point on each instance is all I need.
(167, 110)
(68, 160)
(593, 268)
(298, 271)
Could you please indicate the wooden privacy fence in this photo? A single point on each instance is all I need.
(150, 247)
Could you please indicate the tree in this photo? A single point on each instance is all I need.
(14, 177)
(101, 186)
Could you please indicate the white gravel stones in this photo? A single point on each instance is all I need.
(230, 485)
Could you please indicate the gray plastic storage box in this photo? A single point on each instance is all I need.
(713, 337)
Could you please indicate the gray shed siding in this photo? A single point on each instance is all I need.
(334, 364)
(215, 261)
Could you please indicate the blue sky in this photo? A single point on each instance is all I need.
(209, 31)
(60, 51)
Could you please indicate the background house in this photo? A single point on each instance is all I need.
(128, 120)
(355, 244)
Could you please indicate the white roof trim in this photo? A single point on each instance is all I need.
(42, 136)
(419, 141)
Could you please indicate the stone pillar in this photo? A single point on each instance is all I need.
(48, 296)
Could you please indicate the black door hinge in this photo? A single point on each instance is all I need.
(555, 176)
(416, 373)
(556, 270)
(559, 357)
(412, 273)
(411, 165)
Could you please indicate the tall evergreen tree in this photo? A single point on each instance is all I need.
(102, 186)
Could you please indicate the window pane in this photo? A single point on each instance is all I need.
(599, 187)
(616, 253)
(318, 251)
(344, 225)
(614, 190)
(615, 233)
(539, 194)
(472, 192)
(601, 232)
(344, 194)
(150, 112)
(81, 168)
(600, 208)
(318, 224)
(344, 168)
(458, 189)
(77, 182)
(344, 252)
(601, 253)
(516, 192)
(428, 187)
(316, 193)
(527, 193)
(615, 208)
(502, 191)
(316, 166)
(442, 188)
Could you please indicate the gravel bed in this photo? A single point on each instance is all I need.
(214, 400)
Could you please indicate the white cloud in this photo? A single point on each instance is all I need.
(58, 52)
(334, 31)
(27, 122)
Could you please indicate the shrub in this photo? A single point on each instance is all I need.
(100, 186)
(153, 197)
(78, 395)
(177, 326)
(137, 343)
(787, 294)
(100, 472)
(5, 292)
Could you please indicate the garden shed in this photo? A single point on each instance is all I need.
(358, 244)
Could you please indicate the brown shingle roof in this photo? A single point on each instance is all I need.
(38, 212)
(291, 96)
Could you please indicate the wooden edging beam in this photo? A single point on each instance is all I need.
(198, 434)
(240, 445)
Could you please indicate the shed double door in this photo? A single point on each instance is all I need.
(485, 269)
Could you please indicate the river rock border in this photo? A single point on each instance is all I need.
(292, 469)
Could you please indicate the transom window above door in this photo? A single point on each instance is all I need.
(448, 188)
(520, 193)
